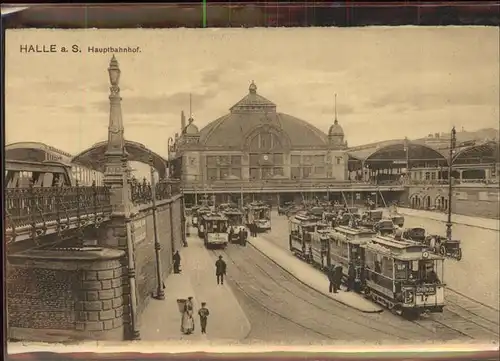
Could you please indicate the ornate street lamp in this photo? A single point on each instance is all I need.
(114, 72)
(453, 143)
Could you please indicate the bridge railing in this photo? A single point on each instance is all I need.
(142, 192)
(35, 206)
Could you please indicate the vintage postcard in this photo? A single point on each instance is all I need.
(307, 186)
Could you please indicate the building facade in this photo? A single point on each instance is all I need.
(254, 150)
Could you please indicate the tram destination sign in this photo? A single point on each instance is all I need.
(426, 290)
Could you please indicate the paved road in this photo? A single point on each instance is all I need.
(476, 274)
(281, 309)
(463, 316)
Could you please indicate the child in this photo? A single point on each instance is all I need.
(204, 313)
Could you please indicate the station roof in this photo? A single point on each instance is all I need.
(94, 158)
(396, 150)
(34, 151)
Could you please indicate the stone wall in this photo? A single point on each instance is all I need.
(170, 238)
(467, 200)
(62, 295)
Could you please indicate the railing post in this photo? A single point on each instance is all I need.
(160, 294)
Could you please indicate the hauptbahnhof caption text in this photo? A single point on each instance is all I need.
(53, 48)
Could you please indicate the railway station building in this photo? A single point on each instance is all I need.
(255, 152)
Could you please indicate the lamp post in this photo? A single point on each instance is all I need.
(170, 143)
(160, 294)
(453, 142)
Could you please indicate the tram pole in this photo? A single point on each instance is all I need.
(453, 141)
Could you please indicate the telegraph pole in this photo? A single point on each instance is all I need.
(453, 142)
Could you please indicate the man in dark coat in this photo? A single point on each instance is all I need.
(351, 277)
(177, 262)
(220, 270)
(253, 229)
(337, 278)
(331, 278)
(243, 236)
(231, 233)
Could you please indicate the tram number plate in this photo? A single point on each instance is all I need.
(426, 290)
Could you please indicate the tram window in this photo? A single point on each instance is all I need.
(401, 270)
(414, 266)
(48, 179)
(387, 267)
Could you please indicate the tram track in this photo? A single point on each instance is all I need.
(316, 303)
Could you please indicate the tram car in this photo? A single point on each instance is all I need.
(344, 248)
(213, 229)
(20, 174)
(319, 251)
(198, 213)
(403, 276)
(259, 214)
(301, 228)
(235, 220)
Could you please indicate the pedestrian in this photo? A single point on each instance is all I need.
(331, 278)
(220, 270)
(337, 278)
(351, 277)
(187, 325)
(204, 313)
(231, 233)
(177, 262)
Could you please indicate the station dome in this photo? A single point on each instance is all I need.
(336, 129)
(191, 127)
(253, 112)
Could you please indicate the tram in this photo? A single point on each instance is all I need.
(198, 213)
(345, 246)
(259, 214)
(403, 276)
(301, 228)
(235, 219)
(20, 174)
(213, 229)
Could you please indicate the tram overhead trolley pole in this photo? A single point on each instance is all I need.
(453, 142)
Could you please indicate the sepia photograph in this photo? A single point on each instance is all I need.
(279, 186)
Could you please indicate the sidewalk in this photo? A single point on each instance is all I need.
(311, 276)
(161, 320)
(485, 223)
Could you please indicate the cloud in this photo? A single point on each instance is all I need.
(159, 104)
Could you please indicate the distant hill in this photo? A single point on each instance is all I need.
(442, 139)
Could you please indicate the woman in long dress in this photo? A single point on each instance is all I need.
(187, 326)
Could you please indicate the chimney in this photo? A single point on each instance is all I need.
(183, 122)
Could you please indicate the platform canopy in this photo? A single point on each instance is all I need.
(94, 157)
(478, 153)
(395, 152)
(35, 152)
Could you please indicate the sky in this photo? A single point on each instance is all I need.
(390, 82)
